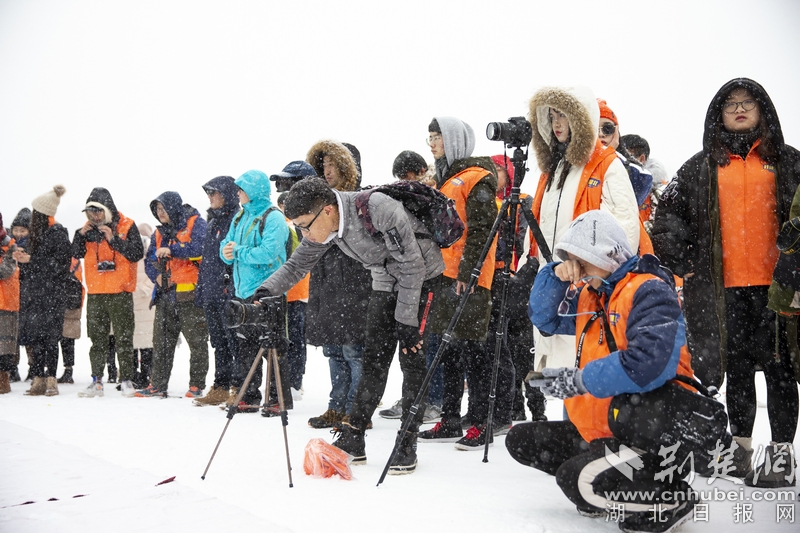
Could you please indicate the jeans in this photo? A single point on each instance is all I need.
(345, 367)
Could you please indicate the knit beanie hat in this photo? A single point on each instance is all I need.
(47, 204)
(23, 218)
(597, 238)
(606, 112)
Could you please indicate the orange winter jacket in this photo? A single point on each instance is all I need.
(590, 190)
(183, 272)
(123, 277)
(458, 188)
(748, 220)
(9, 287)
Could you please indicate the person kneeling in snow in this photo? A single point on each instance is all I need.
(630, 339)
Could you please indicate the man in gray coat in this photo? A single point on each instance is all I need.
(406, 274)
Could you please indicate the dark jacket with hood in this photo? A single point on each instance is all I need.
(130, 247)
(339, 287)
(215, 283)
(179, 214)
(686, 230)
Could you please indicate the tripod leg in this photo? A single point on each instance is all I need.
(233, 409)
(268, 380)
(272, 362)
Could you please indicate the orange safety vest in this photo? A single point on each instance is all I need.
(9, 287)
(590, 191)
(588, 413)
(183, 272)
(748, 220)
(123, 277)
(458, 188)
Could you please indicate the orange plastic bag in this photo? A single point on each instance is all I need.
(324, 460)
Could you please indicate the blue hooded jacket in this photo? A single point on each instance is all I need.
(257, 254)
(179, 214)
(211, 284)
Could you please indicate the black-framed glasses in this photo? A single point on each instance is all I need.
(307, 227)
(732, 107)
(608, 128)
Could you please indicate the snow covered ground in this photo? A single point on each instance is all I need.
(112, 451)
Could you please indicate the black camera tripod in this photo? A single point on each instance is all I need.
(508, 213)
(273, 339)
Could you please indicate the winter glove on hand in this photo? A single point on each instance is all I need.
(561, 383)
(409, 338)
(520, 286)
(261, 292)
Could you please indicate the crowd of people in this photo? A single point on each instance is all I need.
(657, 287)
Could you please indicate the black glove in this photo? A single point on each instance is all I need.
(260, 293)
(562, 383)
(520, 285)
(409, 338)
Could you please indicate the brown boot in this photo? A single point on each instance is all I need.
(232, 396)
(38, 387)
(216, 396)
(51, 386)
(5, 383)
(328, 419)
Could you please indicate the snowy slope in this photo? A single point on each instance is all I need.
(115, 450)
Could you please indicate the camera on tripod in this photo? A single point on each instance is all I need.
(517, 132)
(268, 312)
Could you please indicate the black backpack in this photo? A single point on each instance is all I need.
(435, 210)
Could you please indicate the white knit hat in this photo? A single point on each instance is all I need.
(47, 204)
(597, 238)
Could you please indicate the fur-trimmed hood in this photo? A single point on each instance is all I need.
(583, 114)
(349, 167)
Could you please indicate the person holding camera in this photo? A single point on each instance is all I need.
(110, 245)
(9, 307)
(717, 226)
(172, 262)
(255, 246)
(631, 346)
(406, 274)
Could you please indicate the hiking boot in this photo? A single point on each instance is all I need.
(441, 432)
(405, 462)
(15, 378)
(777, 468)
(232, 396)
(51, 386)
(742, 457)
(432, 414)
(346, 420)
(5, 383)
(351, 440)
(665, 520)
(150, 392)
(394, 412)
(474, 440)
(95, 388)
(271, 409)
(328, 419)
(500, 429)
(127, 388)
(216, 396)
(38, 386)
(194, 392)
(67, 377)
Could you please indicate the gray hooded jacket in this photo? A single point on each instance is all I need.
(392, 271)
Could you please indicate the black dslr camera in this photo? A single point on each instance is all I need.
(267, 312)
(515, 133)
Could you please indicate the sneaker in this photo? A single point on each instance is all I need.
(194, 392)
(150, 392)
(216, 396)
(441, 433)
(432, 414)
(297, 394)
(127, 389)
(776, 469)
(67, 377)
(474, 440)
(328, 419)
(668, 519)
(742, 458)
(466, 422)
(500, 429)
(405, 462)
(95, 388)
(394, 412)
(351, 440)
(271, 409)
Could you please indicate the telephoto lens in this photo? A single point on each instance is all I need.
(238, 313)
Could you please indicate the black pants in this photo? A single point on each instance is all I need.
(224, 344)
(296, 314)
(68, 351)
(379, 347)
(751, 342)
(45, 358)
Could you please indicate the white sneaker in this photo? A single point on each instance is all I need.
(297, 395)
(127, 389)
(95, 388)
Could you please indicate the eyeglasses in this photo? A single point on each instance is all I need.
(732, 107)
(608, 129)
(307, 227)
(433, 138)
(572, 292)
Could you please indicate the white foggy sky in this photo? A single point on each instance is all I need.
(146, 96)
